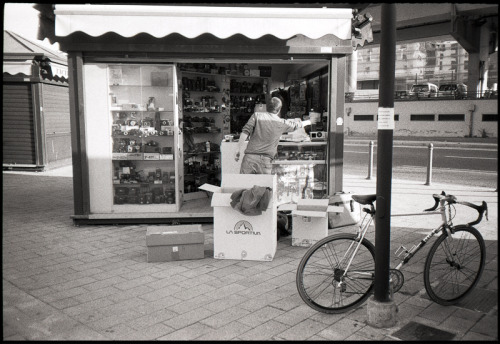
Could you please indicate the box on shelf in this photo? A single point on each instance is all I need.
(238, 236)
(350, 214)
(309, 220)
(170, 243)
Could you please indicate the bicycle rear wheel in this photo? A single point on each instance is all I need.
(453, 267)
(322, 280)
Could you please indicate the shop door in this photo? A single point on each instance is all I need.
(18, 125)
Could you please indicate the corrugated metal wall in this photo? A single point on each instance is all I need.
(57, 122)
(18, 124)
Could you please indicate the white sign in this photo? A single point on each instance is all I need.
(385, 119)
(340, 121)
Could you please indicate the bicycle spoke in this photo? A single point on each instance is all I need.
(454, 265)
(324, 283)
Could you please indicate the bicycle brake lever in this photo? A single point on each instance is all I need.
(485, 206)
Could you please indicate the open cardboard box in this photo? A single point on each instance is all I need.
(309, 220)
(239, 236)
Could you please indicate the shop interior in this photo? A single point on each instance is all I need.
(219, 98)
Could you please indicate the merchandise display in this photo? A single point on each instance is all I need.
(204, 107)
(301, 171)
(143, 134)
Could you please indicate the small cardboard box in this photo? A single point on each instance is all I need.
(350, 214)
(168, 243)
(238, 236)
(309, 220)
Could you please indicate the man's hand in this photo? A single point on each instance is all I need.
(237, 156)
(314, 119)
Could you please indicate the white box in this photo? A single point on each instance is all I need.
(238, 236)
(309, 220)
(350, 214)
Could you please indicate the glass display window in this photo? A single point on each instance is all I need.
(145, 137)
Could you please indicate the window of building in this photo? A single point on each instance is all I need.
(363, 117)
(425, 118)
(452, 117)
(490, 117)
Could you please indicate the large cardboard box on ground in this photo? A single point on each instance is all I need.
(350, 214)
(309, 220)
(238, 236)
(169, 243)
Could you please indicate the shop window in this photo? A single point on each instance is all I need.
(422, 118)
(452, 118)
(363, 117)
(490, 117)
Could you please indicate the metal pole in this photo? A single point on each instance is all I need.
(370, 161)
(429, 165)
(384, 152)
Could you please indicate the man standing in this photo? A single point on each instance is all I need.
(265, 130)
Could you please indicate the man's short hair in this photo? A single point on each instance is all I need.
(274, 105)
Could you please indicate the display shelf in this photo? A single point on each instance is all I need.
(199, 153)
(144, 138)
(246, 93)
(302, 143)
(299, 162)
(203, 112)
(200, 93)
(201, 73)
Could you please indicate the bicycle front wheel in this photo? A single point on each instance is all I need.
(454, 265)
(332, 277)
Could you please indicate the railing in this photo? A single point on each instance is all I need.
(406, 96)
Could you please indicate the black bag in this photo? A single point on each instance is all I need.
(284, 224)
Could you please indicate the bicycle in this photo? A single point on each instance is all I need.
(337, 273)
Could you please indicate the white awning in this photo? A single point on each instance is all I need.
(18, 67)
(192, 21)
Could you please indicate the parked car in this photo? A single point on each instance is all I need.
(425, 90)
(454, 90)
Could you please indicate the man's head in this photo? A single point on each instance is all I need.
(274, 105)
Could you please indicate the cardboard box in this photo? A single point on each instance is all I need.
(238, 236)
(350, 214)
(169, 243)
(309, 220)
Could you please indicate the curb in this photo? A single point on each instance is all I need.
(426, 143)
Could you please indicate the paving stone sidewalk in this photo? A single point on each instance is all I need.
(66, 282)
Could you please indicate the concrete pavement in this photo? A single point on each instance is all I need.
(62, 282)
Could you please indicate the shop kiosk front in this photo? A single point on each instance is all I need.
(155, 90)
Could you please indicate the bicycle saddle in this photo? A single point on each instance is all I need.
(364, 199)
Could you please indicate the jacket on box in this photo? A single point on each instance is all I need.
(252, 201)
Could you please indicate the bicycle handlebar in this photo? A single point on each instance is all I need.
(450, 199)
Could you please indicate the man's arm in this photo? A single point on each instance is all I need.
(245, 132)
(241, 146)
(293, 125)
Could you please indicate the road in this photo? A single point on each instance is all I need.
(467, 165)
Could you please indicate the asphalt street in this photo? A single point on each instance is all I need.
(473, 163)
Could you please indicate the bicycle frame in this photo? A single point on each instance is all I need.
(366, 222)
(445, 225)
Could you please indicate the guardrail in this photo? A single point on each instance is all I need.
(429, 163)
(406, 96)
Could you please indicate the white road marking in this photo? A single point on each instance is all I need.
(468, 157)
